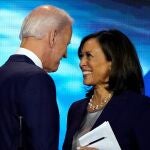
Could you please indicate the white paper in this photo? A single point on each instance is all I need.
(104, 130)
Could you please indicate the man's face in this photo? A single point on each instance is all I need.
(59, 49)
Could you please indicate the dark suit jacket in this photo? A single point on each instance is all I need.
(128, 115)
(28, 91)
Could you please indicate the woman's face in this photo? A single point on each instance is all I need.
(94, 66)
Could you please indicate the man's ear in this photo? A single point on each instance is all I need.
(52, 37)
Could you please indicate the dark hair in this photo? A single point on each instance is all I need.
(126, 72)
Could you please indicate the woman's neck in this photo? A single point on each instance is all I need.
(100, 93)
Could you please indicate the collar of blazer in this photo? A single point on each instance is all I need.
(20, 58)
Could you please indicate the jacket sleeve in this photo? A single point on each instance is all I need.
(142, 127)
(68, 138)
(74, 119)
(40, 113)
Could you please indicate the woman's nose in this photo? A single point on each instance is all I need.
(83, 62)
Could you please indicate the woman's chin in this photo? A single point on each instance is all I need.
(87, 83)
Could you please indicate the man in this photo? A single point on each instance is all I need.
(29, 117)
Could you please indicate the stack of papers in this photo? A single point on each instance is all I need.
(101, 138)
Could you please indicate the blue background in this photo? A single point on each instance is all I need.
(131, 17)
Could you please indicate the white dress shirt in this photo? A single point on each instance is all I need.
(31, 55)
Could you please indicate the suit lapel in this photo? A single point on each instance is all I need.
(80, 115)
(110, 112)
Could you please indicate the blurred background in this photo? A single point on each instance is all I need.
(130, 16)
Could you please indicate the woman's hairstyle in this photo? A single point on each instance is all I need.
(126, 71)
(43, 19)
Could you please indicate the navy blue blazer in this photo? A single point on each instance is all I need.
(128, 115)
(28, 91)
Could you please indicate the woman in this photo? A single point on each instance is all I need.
(111, 66)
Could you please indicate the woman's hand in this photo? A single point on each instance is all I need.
(86, 148)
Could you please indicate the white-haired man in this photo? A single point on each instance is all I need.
(29, 116)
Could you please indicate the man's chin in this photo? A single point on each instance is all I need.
(54, 69)
(51, 70)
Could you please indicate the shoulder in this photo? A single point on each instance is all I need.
(40, 78)
(133, 97)
(39, 87)
(129, 102)
(137, 98)
(79, 103)
(33, 73)
(138, 104)
(21, 73)
(22, 70)
(34, 77)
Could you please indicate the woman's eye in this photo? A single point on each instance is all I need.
(80, 55)
(88, 55)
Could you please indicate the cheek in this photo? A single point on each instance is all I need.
(102, 73)
(64, 47)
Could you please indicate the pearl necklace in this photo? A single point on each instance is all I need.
(94, 107)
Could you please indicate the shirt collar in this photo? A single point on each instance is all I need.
(31, 55)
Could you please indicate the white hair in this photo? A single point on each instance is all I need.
(43, 19)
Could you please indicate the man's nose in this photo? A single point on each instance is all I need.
(65, 55)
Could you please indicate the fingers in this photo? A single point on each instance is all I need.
(86, 148)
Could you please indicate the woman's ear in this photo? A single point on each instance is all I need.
(52, 37)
